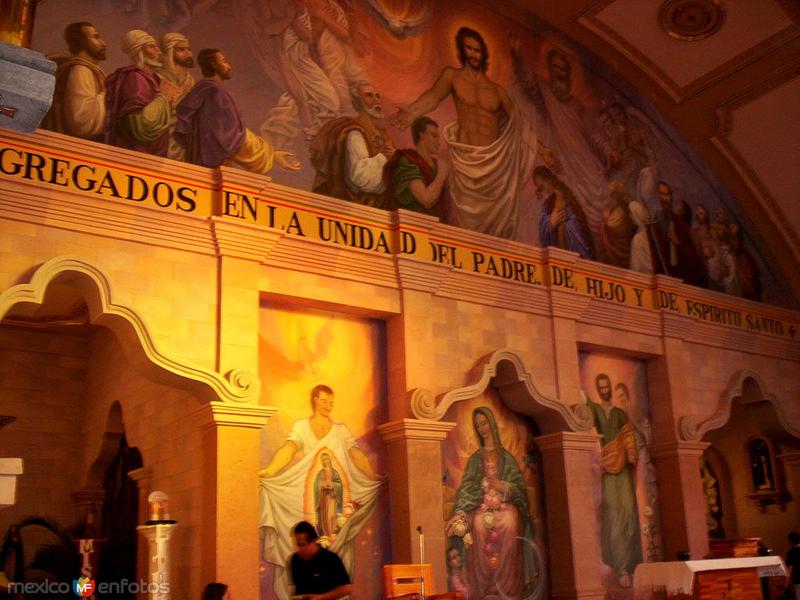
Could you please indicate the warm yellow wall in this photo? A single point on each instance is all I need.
(741, 516)
(194, 285)
(43, 379)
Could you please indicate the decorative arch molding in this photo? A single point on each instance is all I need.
(695, 427)
(505, 371)
(237, 386)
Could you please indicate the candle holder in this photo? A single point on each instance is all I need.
(159, 509)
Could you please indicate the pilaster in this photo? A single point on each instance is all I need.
(414, 451)
(574, 547)
(681, 498)
(230, 537)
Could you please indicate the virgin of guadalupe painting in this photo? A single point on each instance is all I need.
(491, 529)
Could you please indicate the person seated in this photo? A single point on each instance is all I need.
(317, 573)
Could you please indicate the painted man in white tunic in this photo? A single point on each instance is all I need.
(283, 485)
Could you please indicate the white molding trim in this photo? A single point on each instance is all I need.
(695, 427)
(505, 370)
(237, 386)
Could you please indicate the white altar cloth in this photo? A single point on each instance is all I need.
(678, 577)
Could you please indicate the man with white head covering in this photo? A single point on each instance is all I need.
(178, 60)
(137, 100)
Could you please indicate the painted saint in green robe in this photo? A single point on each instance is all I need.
(621, 542)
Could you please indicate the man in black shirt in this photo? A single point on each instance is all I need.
(317, 573)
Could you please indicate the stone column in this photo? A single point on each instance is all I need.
(230, 507)
(569, 488)
(415, 491)
(158, 575)
(680, 497)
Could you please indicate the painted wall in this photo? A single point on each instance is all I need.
(570, 112)
(493, 502)
(626, 496)
(331, 479)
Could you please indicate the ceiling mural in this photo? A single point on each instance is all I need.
(446, 109)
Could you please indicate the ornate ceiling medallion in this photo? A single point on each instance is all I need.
(691, 20)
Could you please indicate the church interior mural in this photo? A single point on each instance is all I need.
(493, 499)
(499, 127)
(322, 458)
(454, 286)
(626, 497)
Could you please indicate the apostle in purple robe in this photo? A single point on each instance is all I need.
(211, 129)
(138, 100)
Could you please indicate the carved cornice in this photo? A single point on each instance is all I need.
(659, 452)
(320, 258)
(489, 291)
(413, 429)
(676, 326)
(223, 414)
(636, 320)
(567, 304)
(103, 218)
(505, 370)
(695, 427)
(242, 240)
(708, 334)
(421, 275)
(567, 440)
(237, 386)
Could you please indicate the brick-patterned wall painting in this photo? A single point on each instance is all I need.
(43, 378)
(626, 500)
(331, 478)
(493, 502)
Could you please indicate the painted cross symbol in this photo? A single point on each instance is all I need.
(7, 111)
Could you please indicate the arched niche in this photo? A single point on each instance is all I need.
(564, 447)
(751, 434)
(746, 387)
(135, 338)
(505, 371)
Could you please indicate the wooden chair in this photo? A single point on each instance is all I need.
(404, 582)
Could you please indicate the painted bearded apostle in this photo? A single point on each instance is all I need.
(350, 153)
(137, 100)
(79, 99)
(620, 541)
(210, 127)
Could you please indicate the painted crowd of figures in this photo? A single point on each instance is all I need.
(596, 178)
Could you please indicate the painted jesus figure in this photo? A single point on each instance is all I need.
(487, 148)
